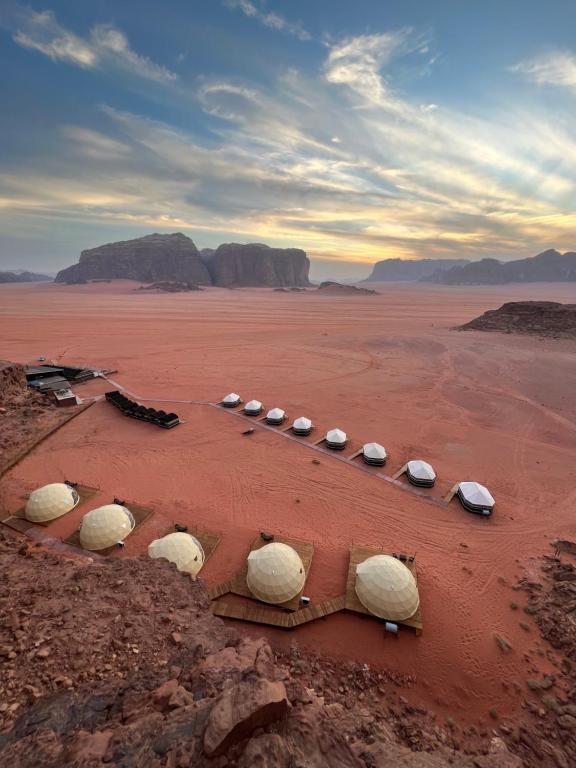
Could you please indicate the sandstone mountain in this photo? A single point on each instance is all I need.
(539, 318)
(256, 264)
(160, 258)
(23, 277)
(148, 259)
(547, 267)
(391, 270)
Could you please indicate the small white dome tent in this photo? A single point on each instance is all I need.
(106, 526)
(387, 588)
(374, 454)
(50, 501)
(180, 548)
(421, 473)
(275, 416)
(231, 400)
(253, 408)
(302, 426)
(336, 439)
(476, 498)
(275, 573)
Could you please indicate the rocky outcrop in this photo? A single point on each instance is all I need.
(170, 286)
(255, 264)
(23, 277)
(547, 267)
(330, 288)
(538, 318)
(147, 259)
(119, 662)
(397, 270)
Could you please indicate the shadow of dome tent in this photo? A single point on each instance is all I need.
(374, 454)
(231, 400)
(253, 408)
(275, 573)
(420, 473)
(336, 439)
(275, 416)
(476, 498)
(386, 588)
(50, 501)
(302, 426)
(106, 527)
(180, 548)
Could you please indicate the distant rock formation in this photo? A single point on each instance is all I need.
(170, 286)
(148, 259)
(547, 267)
(392, 270)
(539, 318)
(337, 289)
(23, 277)
(256, 264)
(175, 258)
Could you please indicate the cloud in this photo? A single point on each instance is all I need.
(93, 144)
(106, 46)
(555, 68)
(358, 61)
(269, 19)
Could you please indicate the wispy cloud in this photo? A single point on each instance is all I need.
(105, 46)
(269, 19)
(555, 68)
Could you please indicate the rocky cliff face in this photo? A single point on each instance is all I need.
(255, 264)
(147, 259)
(547, 267)
(391, 270)
(539, 318)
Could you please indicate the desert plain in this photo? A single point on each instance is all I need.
(496, 408)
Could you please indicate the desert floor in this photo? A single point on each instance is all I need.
(495, 408)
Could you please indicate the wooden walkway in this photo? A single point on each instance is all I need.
(274, 617)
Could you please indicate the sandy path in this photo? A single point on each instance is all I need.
(494, 408)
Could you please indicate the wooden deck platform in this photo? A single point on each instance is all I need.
(451, 493)
(357, 555)
(304, 549)
(140, 514)
(274, 617)
(18, 521)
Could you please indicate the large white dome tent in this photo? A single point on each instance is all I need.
(180, 548)
(50, 502)
(275, 573)
(387, 588)
(106, 527)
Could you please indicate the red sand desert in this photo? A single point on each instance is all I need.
(498, 409)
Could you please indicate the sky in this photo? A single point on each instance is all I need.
(358, 131)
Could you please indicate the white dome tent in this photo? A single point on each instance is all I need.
(302, 426)
(275, 573)
(275, 416)
(253, 408)
(180, 548)
(476, 498)
(231, 400)
(50, 501)
(106, 526)
(336, 439)
(421, 473)
(374, 454)
(387, 588)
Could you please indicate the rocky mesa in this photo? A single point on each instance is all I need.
(147, 259)
(399, 270)
(538, 318)
(256, 264)
(174, 258)
(547, 267)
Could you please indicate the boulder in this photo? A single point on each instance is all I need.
(250, 704)
(540, 318)
(149, 259)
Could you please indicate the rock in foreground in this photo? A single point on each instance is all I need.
(147, 259)
(539, 318)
